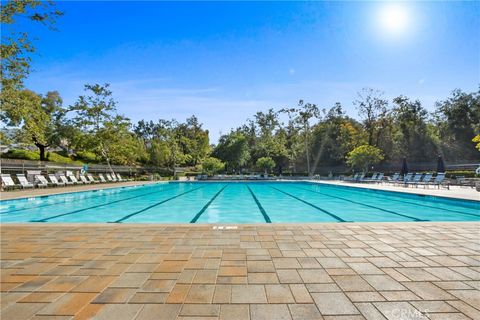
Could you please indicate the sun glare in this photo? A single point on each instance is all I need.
(394, 19)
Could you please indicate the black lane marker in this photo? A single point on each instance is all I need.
(154, 205)
(376, 195)
(93, 207)
(259, 205)
(206, 206)
(312, 205)
(68, 200)
(363, 204)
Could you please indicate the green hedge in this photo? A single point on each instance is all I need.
(21, 154)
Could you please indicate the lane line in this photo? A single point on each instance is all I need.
(208, 204)
(93, 207)
(363, 204)
(128, 216)
(260, 207)
(312, 205)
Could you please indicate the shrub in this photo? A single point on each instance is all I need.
(265, 163)
(21, 154)
(212, 165)
(363, 156)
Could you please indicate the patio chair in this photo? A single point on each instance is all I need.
(440, 180)
(24, 182)
(74, 179)
(7, 182)
(84, 179)
(119, 177)
(394, 178)
(53, 179)
(102, 178)
(426, 180)
(40, 181)
(114, 177)
(406, 179)
(109, 177)
(415, 180)
(380, 177)
(64, 179)
(92, 179)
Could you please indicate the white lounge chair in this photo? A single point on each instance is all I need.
(65, 180)
(54, 180)
(84, 179)
(24, 182)
(92, 179)
(40, 181)
(119, 177)
(74, 179)
(102, 178)
(114, 177)
(7, 182)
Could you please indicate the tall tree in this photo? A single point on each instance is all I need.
(232, 149)
(371, 108)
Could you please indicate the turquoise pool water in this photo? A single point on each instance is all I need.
(237, 202)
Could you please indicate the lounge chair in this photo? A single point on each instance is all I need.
(24, 182)
(119, 177)
(40, 181)
(406, 179)
(426, 180)
(54, 180)
(109, 177)
(415, 180)
(84, 179)
(439, 180)
(64, 179)
(114, 177)
(7, 182)
(380, 177)
(394, 178)
(74, 179)
(92, 179)
(102, 178)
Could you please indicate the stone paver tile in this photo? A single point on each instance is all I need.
(314, 276)
(148, 297)
(369, 296)
(248, 294)
(289, 276)
(417, 274)
(383, 262)
(309, 263)
(260, 266)
(130, 280)
(21, 310)
(286, 263)
(118, 312)
(68, 304)
(329, 262)
(40, 297)
(200, 310)
(433, 306)
(300, 293)
(447, 316)
(232, 272)
(334, 303)
(178, 293)
(158, 285)
(159, 312)
(428, 291)
(365, 268)
(142, 267)
(232, 280)
(446, 274)
(383, 282)
(352, 283)
(164, 276)
(223, 293)
(323, 287)
(187, 276)
(399, 311)
(94, 284)
(200, 293)
(62, 284)
(279, 293)
(262, 278)
(171, 266)
(89, 311)
(465, 308)
(369, 311)
(472, 297)
(402, 295)
(269, 312)
(234, 312)
(304, 312)
(205, 276)
(114, 295)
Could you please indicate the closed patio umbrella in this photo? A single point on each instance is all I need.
(440, 164)
(404, 170)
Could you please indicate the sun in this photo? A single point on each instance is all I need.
(394, 19)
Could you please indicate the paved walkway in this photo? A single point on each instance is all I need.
(457, 192)
(26, 193)
(298, 271)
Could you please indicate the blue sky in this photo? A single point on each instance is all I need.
(225, 61)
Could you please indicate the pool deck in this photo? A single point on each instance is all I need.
(418, 270)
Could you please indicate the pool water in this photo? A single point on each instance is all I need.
(237, 202)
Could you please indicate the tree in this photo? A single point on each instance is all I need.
(16, 48)
(371, 107)
(212, 165)
(476, 139)
(265, 163)
(233, 150)
(363, 156)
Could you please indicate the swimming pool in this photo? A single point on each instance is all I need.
(236, 202)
